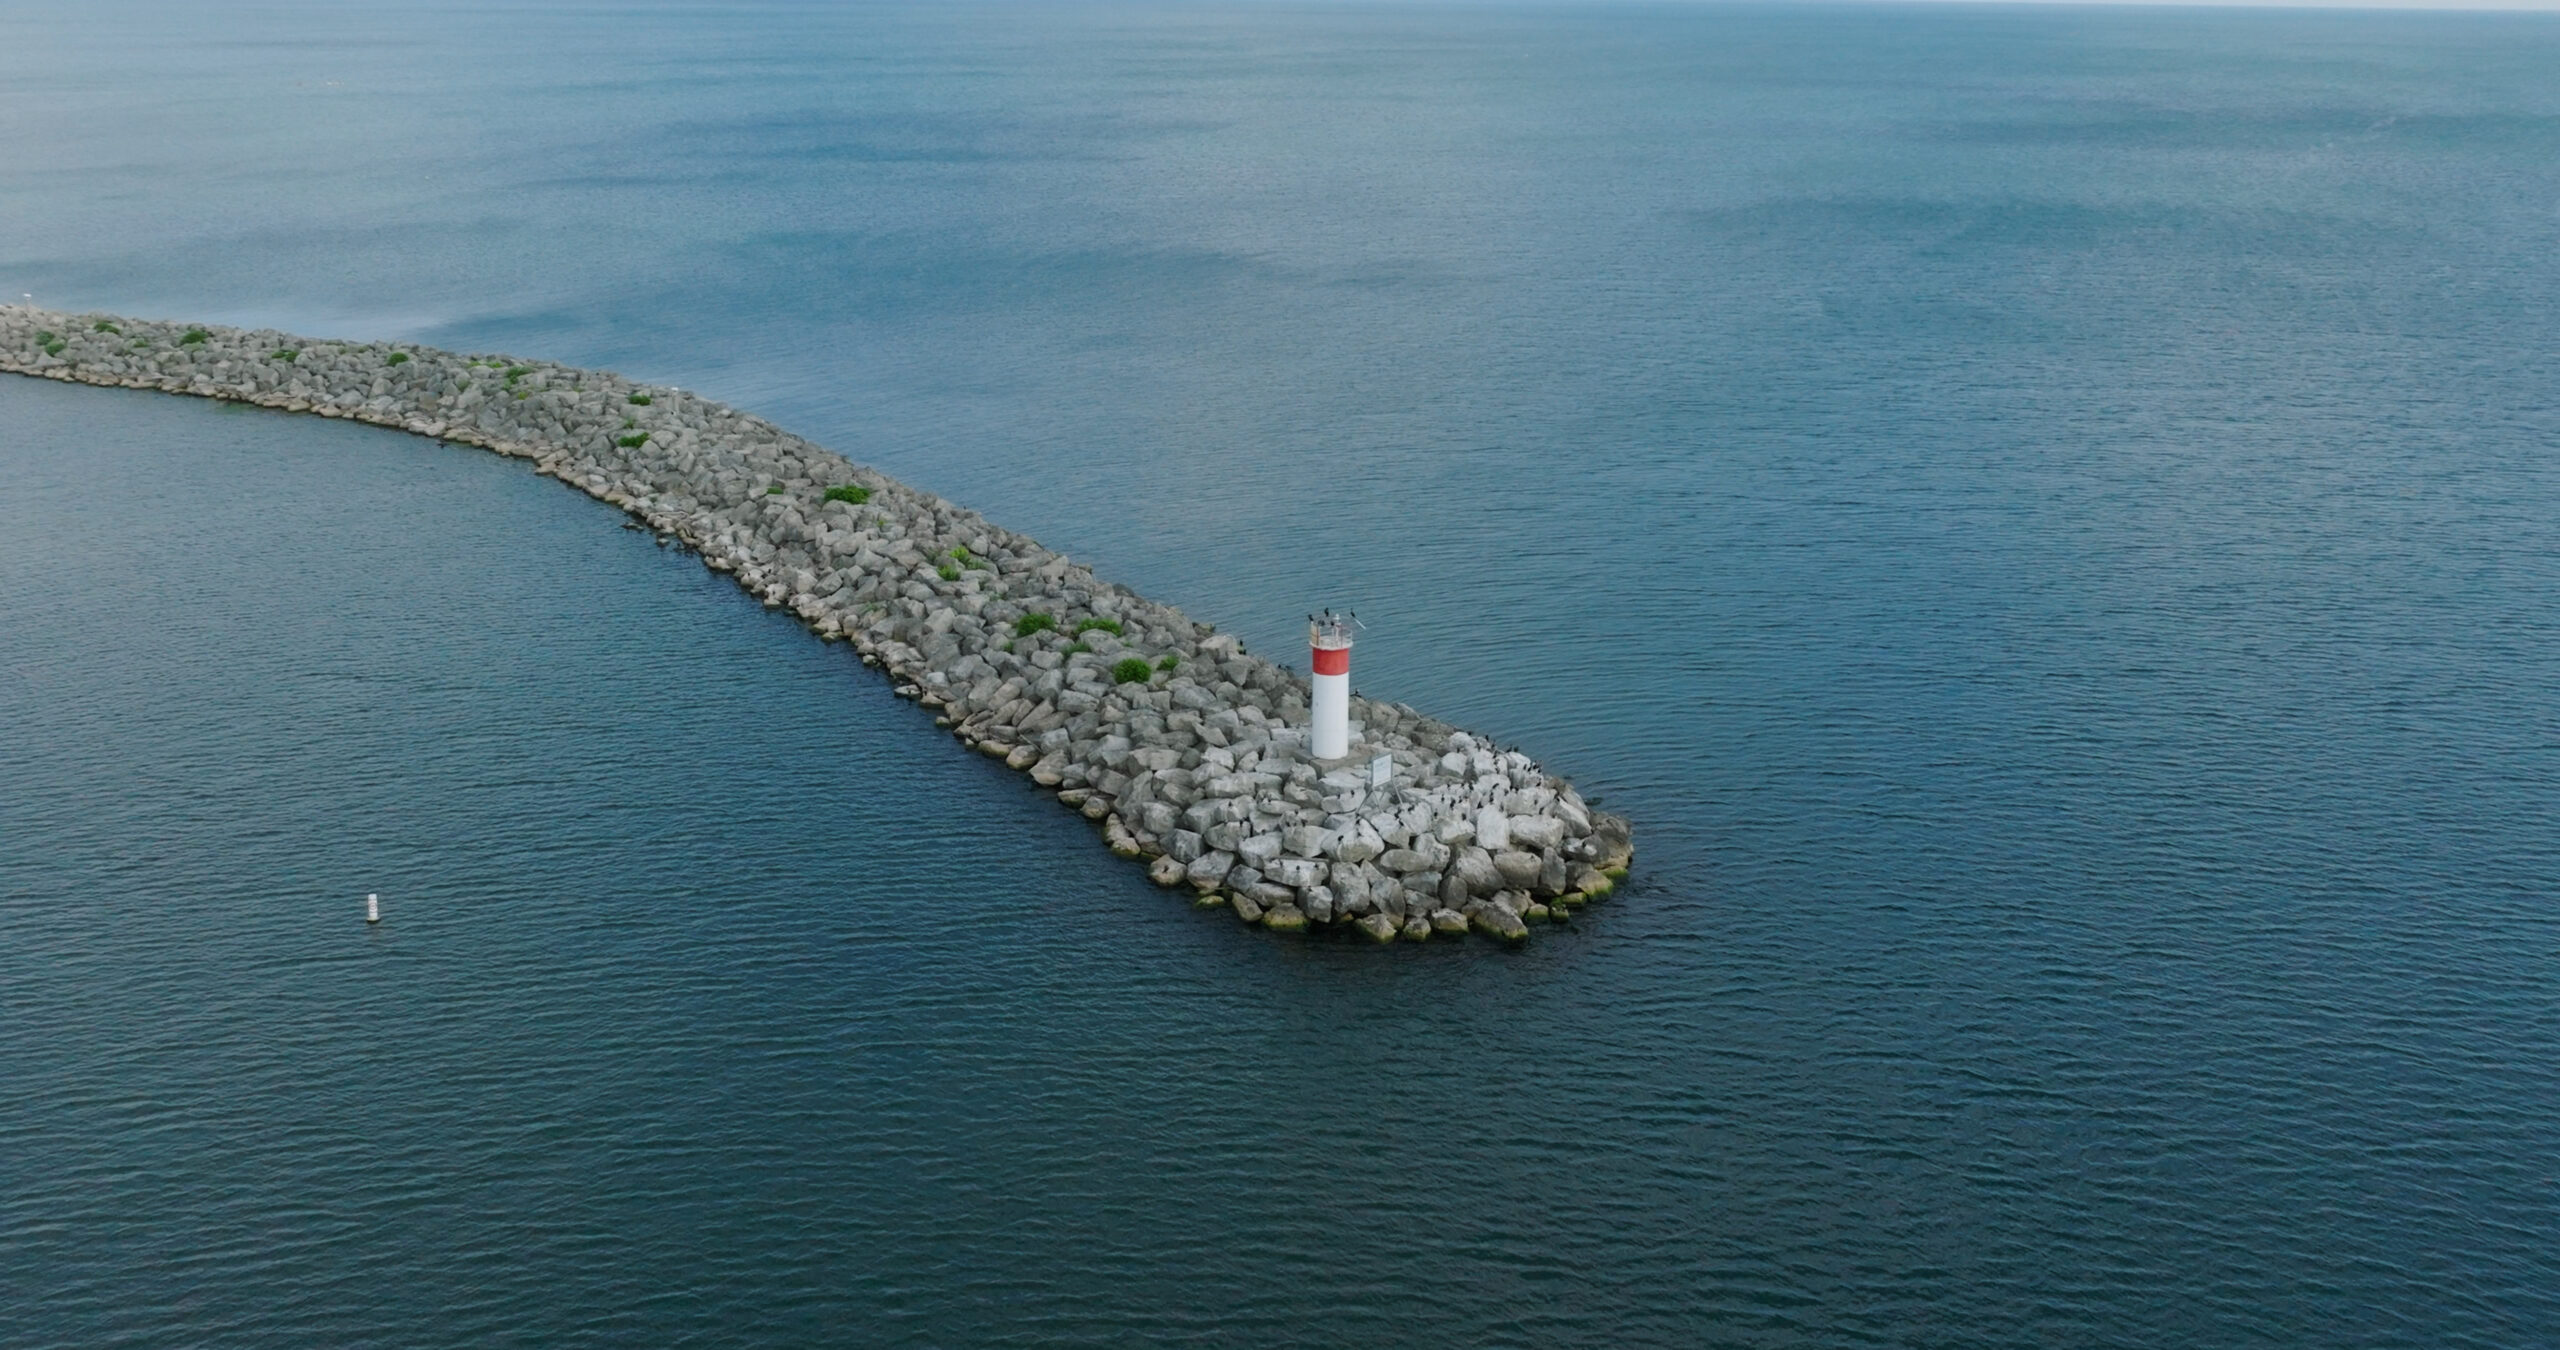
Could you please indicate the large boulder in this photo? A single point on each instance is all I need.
(1493, 829)
(1403, 860)
(1294, 871)
(1448, 921)
(1379, 926)
(1259, 850)
(1518, 870)
(1209, 870)
(1536, 832)
(1474, 869)
(1501, 923)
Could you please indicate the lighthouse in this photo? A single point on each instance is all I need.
(1330, 638)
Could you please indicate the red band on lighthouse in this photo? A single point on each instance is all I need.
(1333, 660)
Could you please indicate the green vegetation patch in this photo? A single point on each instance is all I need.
(948, 572)
(102, 326)
(1169, 662)
(1073, 647)
(1034, 622)
(774, 491)
(195, 337)
(1111, 626)
(635, 442)
(396, 359)
(515, 373)
(849, 492)
(1132, 670)
(284, 353)
(641, 399)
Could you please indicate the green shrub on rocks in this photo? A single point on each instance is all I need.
(948, 572)
(284, 353)
(641, 399)
(515, 373)
(396, 358)
(195, 337)
(635, 442)
(102, 326)
(1031, 623)
(1111, 626)
(1074, 647)
(774, 491)
(1132, 670)
(1169, 662)
(849, 492)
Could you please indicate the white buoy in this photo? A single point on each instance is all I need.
(1330, 639)
(372, 908)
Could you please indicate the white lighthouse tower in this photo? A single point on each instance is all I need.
(1330, 638)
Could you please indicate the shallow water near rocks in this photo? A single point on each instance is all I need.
(2043, 519)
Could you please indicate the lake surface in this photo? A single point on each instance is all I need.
(2048, 521)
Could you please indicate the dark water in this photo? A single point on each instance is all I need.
(2046, 519)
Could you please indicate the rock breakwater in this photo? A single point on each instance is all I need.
(1184, 749)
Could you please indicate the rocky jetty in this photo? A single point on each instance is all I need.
(1185, 750)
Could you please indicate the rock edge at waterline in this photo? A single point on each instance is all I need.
(1185, 750)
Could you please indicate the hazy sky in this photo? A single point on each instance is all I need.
(2552, 6)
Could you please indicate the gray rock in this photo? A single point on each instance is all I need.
(1501, 923)
(1378, 927)
(1183, 846)
(1210, 869)
(1259, 850)
(1166, 871)
(1294, 871)
(1317, 901)
(1474, 869)
(1517, 869)
(1416, 927)
(1493, 829)
(1448, 921)
(1305, 841)
(1246, 908)
(1401, 860)
(1535, 832)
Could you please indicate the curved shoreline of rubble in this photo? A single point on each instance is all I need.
(1186, 750)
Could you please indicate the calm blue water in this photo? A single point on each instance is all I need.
(2047, 519)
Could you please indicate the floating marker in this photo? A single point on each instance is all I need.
(372, 908)
(1330, 637)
